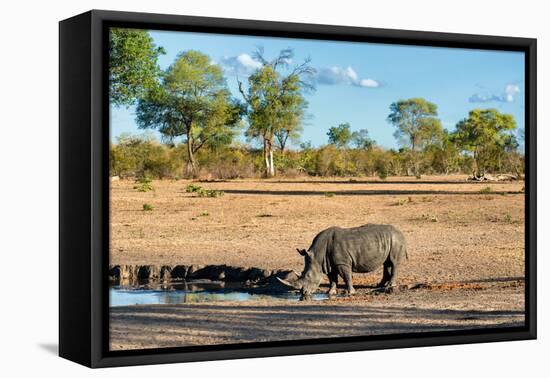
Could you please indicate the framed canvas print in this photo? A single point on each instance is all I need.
(234, 188)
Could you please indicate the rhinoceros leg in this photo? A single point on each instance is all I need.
(394, 259)
(333, 278)
(394, 270)
(345, 272)
(393, 275)
(386, 275)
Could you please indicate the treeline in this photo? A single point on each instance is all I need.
(199, 120)
(143, 156)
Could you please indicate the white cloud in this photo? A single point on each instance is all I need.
(508, 95)
(337, 75)
(351, 74)
(240, 64)
(476, 97)
(245, 64)
(369, 83)
(510, 92)
(247, 61)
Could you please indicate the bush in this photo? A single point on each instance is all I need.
(430, 218)
(139, 156)
(401, 202)
(192, 188)
(229, 163)
(144, 184)
(201, 192)
(147, 207)
(142, 156)
(210, 193)
(485, 190)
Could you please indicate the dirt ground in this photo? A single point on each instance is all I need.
(424, 310)
(457, 232)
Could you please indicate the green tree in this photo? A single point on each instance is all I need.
(292, 123)
(361, 140)
(275, 101)
(486, 134)
(133, 68)
(139, 156)
(416, 124)
(442, 156)
(340, 135)
(192, 101)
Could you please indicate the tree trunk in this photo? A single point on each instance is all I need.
(479, 171)
(283, 143)
(271, 165)
(191, 159)
(414, 156)
(268, 158)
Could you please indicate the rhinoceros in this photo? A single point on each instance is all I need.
(339, 252)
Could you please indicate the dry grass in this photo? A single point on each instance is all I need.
(454, 233)
(465, 267)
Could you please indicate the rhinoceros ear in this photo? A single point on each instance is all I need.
(302, 252)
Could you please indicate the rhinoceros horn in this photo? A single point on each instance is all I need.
(294, 285)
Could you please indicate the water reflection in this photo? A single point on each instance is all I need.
(189, 292)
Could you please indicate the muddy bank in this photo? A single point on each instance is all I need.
(424, 309)
(136, 274)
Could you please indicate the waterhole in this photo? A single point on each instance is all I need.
(197, 291)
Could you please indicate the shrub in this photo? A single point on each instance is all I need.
(201, 192)
(142, 155)
(144, 184)
(229, 163)
(147, 207)
(192, 188)
(210, 193)
(485, 190)
(401, 202)
(431, 218)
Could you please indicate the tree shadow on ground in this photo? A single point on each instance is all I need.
(390, 182)
(362, 192)
(226, 323)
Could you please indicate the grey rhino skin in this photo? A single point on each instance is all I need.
(339, 252)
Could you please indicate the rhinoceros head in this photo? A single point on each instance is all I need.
(311, 277)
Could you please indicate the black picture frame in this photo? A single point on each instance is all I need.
(84, 187)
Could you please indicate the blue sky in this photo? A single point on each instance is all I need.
(357, 82)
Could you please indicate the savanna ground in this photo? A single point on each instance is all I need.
(465, 246)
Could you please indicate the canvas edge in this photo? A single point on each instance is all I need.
(93, 327)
